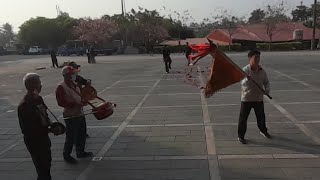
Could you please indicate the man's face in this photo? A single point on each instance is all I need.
(38, 86)
(254, 61)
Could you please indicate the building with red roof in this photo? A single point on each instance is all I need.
(256, 33)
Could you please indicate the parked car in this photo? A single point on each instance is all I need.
(35, 50)
(63, 51)
(45, 51)
(2, 51)
(105, 51)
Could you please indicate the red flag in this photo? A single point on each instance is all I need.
(224, 73)
(202, 49)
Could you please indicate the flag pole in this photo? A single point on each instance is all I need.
(247, 76)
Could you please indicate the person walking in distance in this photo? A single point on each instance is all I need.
(166, 58)
(54, 59)
(252, 96)
(92, 55)
(88, 55)
(188, 52)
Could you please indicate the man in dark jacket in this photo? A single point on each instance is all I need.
(92, 55)
(54, 59)
(88, 55)
(34, 123)
(188, 52)
(166, 58)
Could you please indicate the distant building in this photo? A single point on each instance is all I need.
(256, 33)
(249, 35)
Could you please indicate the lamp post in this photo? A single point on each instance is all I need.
(314, 25)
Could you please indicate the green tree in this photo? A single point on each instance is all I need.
(256, 16)
(66, 25)
(203, 28)
(308, 22)
(230, 23)
(47, 32)
(6, 34)
(301, 13)
(275, 14)
(39, 31)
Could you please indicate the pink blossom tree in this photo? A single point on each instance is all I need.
(95, 30)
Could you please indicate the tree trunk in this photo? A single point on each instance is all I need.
(270, 42)
(230, 36)
(269, 45)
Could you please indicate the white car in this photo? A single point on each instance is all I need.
(35, 50)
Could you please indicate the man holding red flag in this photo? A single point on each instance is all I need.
(255, 84)
(252, 96)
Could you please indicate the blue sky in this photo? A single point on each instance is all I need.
(17, 11)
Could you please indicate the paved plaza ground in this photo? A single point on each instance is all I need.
(164, 128)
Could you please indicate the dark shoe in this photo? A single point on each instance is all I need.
(242, 141)
(84, 155)
(266, 135)
(70, 159)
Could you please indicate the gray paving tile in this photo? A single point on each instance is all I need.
(302, 173)
(171, 100)
(166, 169)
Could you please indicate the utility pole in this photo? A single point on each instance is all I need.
(314, 25)
(122, 7)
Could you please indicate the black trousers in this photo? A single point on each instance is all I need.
(168, 65)
(92, 59)
(54, 62)
(89, 60)
(244, 113)
(187, 56)
(75, 134)
(39, 149)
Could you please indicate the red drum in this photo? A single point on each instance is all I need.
(103, 111)
(88, 93)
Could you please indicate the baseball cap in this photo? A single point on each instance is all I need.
(69, 70)
(74, 65)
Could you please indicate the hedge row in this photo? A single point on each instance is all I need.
(283, 46)
(289, 46)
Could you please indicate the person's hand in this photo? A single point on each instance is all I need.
(84, 103)
(267, 91)
(88, 82)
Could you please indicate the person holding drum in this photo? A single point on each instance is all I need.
(35, 126)
(80, 80)
(67, 95)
